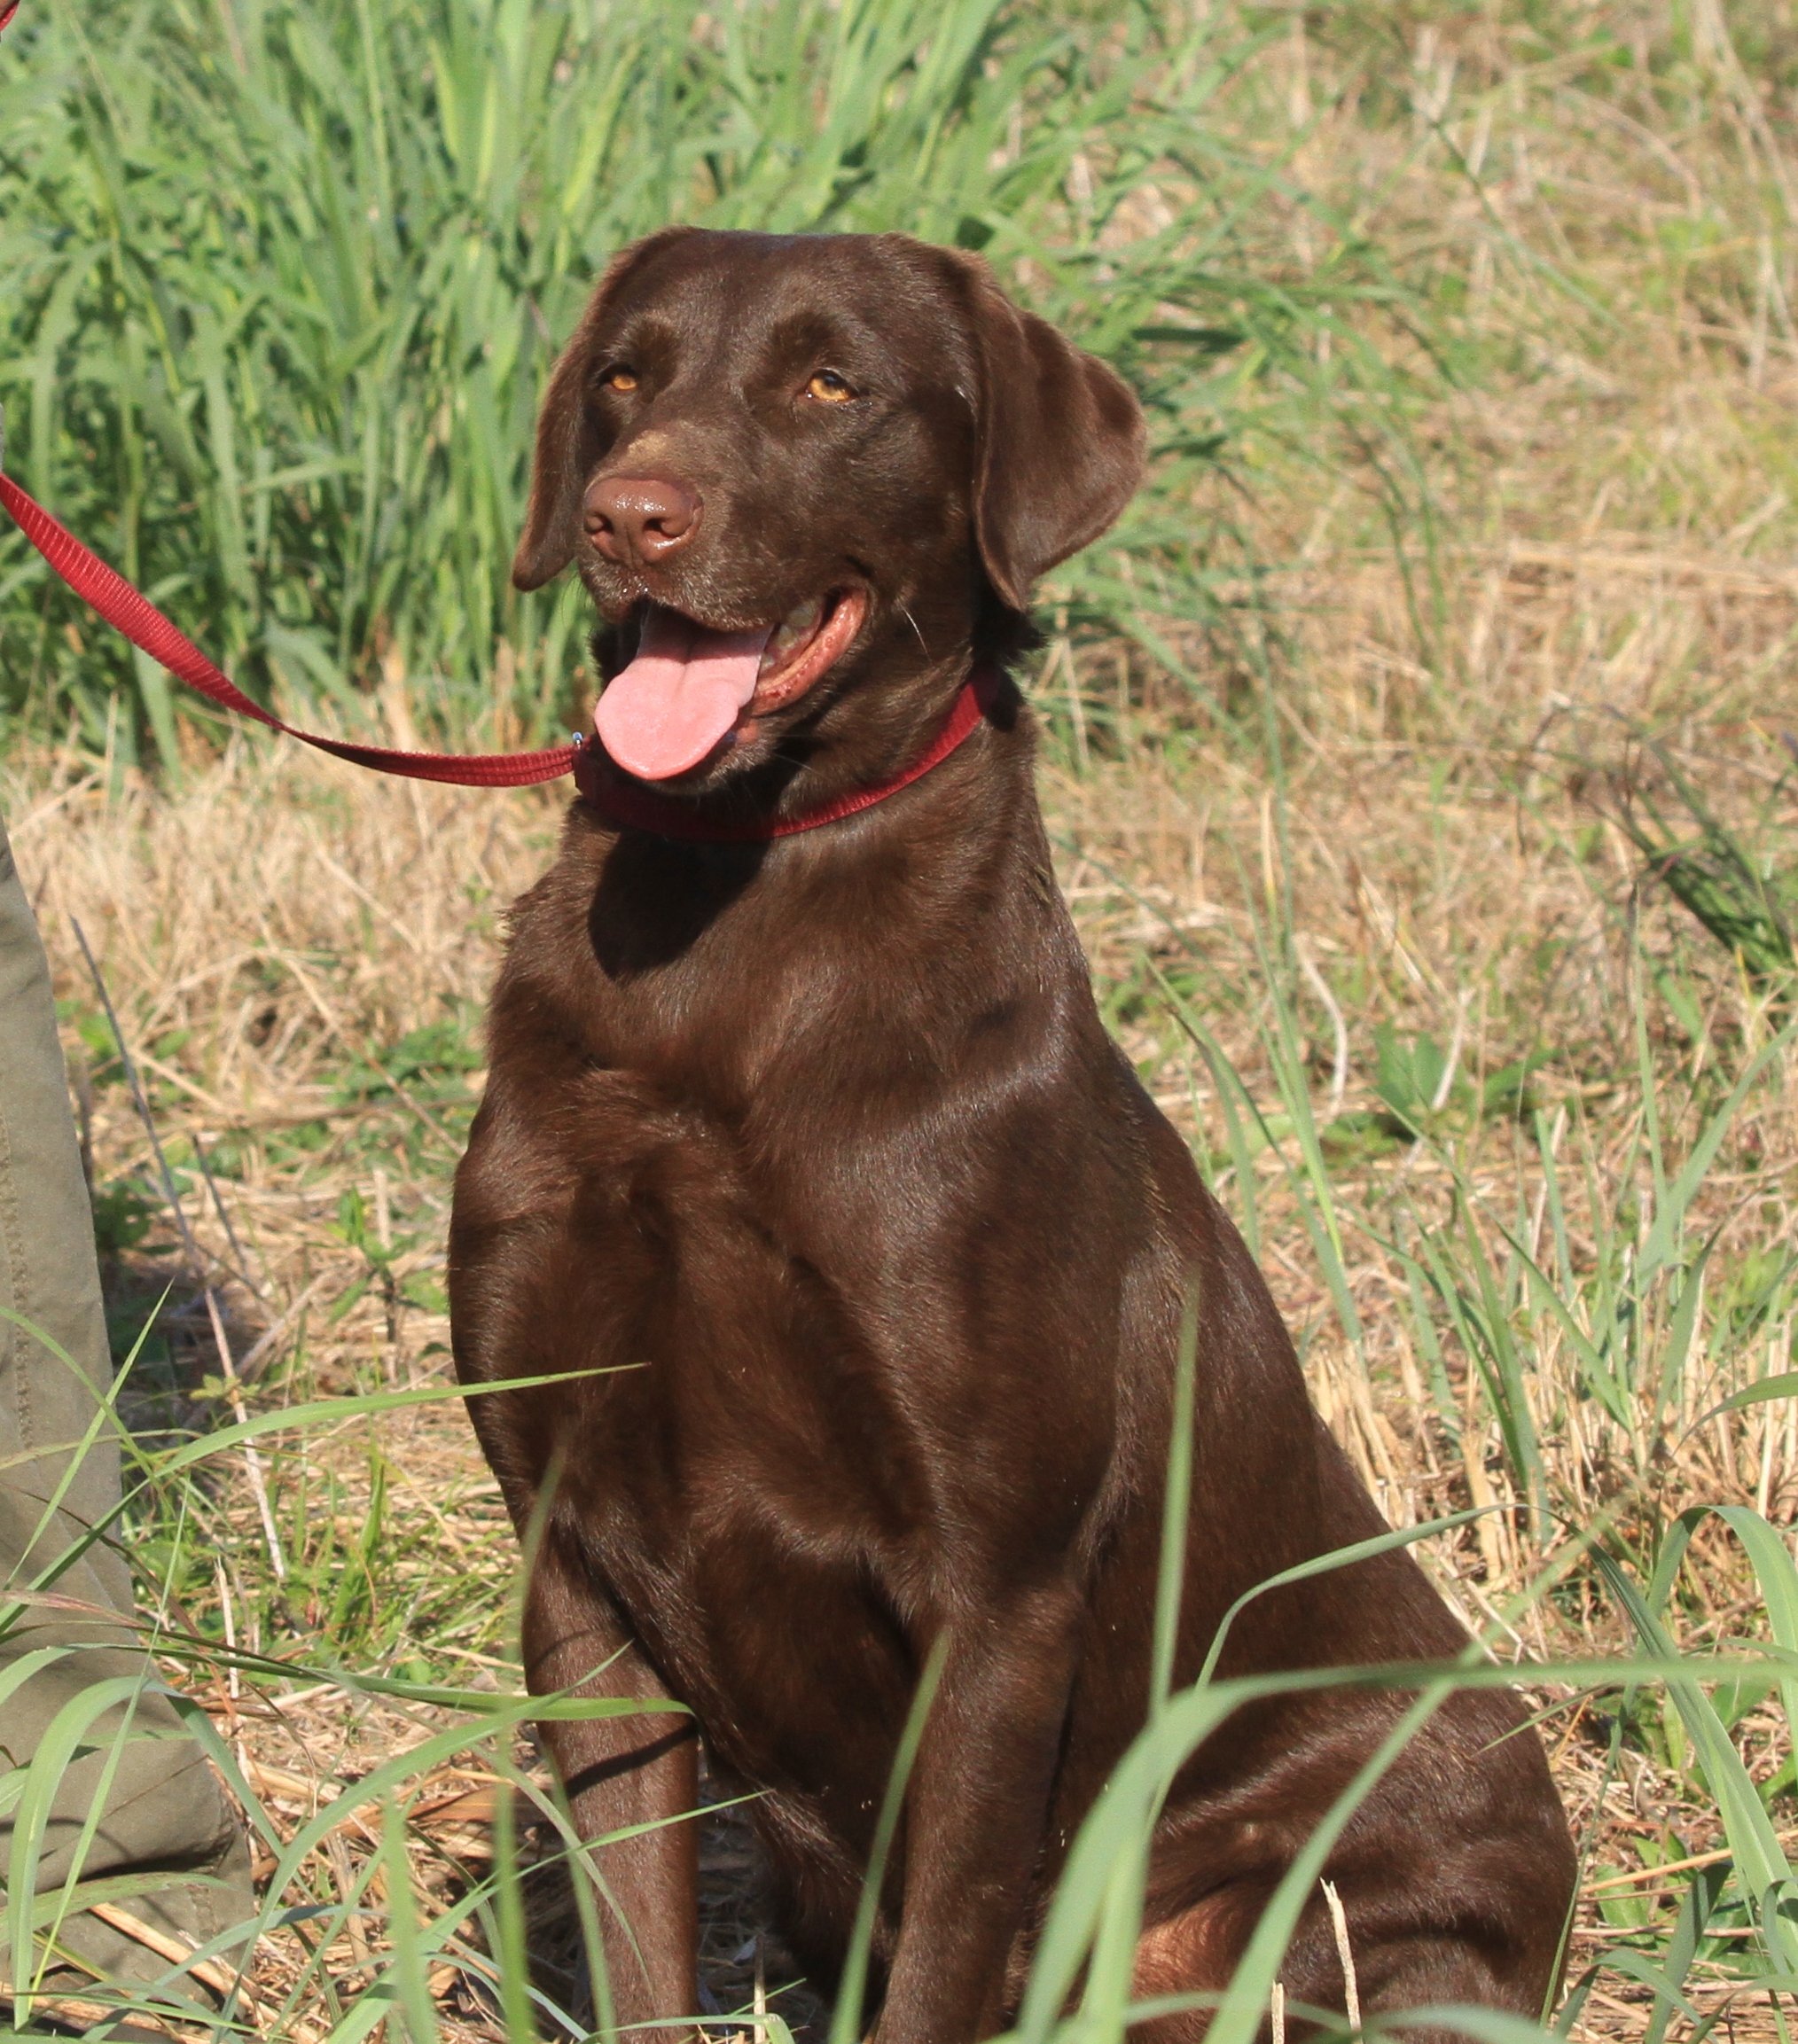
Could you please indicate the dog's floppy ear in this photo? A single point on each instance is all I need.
(568, 443)
(1059, 440)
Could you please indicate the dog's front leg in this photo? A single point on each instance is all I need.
(975, 1813)
(621, 1771)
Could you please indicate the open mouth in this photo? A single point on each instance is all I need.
(805, 644)
(689, 688)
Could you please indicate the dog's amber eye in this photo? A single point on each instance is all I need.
(829, 387)
(620, 379)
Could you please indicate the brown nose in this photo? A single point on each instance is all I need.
(638, 521)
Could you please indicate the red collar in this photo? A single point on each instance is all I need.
(640, 808)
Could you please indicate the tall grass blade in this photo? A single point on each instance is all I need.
(845, 2020)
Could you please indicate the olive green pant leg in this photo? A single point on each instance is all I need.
(163, 1808)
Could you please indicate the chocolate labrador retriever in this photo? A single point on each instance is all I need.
(802, 1125)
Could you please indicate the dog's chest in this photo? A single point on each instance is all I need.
(742, 1287)
(752, 1480)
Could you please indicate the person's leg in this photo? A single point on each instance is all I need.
(163, 1808)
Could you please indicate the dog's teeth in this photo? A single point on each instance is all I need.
(796, 625)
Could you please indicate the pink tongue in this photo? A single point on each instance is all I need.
(683, 691)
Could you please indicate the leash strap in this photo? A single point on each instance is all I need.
(138, 619)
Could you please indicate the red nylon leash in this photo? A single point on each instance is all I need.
(128, 611)
(138, 619)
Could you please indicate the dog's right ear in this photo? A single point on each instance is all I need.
(569, 442)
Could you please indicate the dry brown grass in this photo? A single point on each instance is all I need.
(293, 922)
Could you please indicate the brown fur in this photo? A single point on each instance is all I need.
(820, 1146)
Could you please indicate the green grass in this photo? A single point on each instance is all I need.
(284, 284)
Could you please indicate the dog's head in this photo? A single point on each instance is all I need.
(792, 465)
